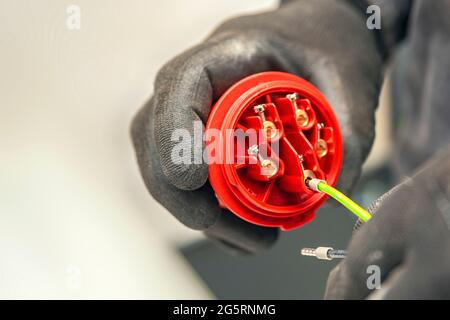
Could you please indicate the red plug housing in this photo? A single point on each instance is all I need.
(301, 136)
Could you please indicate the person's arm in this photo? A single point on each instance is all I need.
(325, 42)
(394, 20)
(407, 241)
(394, 16)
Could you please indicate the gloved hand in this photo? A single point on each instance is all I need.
(408, 238)
(326, 42)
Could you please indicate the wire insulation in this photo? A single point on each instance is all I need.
(344, 200)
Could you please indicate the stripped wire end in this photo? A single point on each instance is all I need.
(324, 253)
(313, 183)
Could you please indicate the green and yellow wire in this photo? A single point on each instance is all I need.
(321, 186)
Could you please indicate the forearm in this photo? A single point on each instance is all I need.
(394, 20)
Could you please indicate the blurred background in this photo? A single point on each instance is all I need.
(75, 218)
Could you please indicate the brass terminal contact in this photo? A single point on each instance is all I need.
(308, 174)
(269, 126)
(321, 146)
(301, 116)
(268, 166)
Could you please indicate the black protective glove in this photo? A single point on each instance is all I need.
(324, 41)
(394, 16)
(408, 238)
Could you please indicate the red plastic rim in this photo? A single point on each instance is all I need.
(280, 199)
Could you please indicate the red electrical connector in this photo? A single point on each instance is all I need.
(300, 139)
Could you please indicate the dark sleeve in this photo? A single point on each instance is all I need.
(394, 20)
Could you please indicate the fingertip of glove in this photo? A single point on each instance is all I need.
(139, 133)
(186, 177)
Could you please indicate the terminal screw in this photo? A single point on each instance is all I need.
(321, 146)
(308, 174)
(269, 126)
(301, 116)
(268, 166)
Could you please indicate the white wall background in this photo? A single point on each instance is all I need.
(75, 218)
